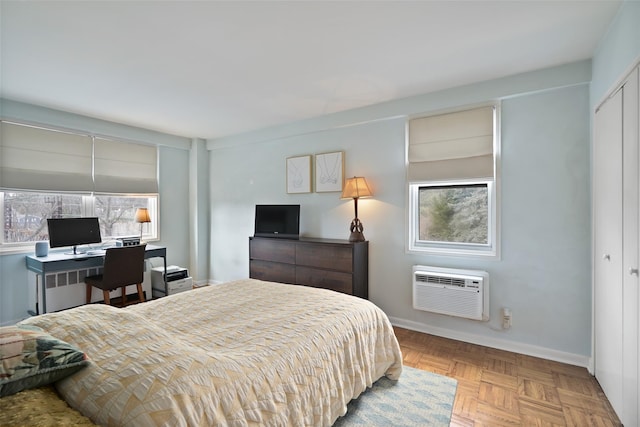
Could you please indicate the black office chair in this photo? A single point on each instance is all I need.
(122, 267)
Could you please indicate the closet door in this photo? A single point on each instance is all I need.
(630, 240)
(607, 186)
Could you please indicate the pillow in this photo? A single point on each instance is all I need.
(29, 357)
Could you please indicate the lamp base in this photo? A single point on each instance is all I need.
(356, 231)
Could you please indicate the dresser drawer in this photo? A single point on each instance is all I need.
(331, 257)
(273, 250)
(334, 280)
(272, 271)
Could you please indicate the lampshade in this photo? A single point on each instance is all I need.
(355, 188)
(142, 215)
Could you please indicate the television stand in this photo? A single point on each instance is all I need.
(338, 265)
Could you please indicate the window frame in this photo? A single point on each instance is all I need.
(88, 205)
(455, 249)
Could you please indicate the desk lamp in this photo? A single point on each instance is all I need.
(142, 216)
(355, 188)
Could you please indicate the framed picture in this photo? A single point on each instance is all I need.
(299, 174)
(329, 171)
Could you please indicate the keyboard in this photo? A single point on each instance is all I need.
(97, 252)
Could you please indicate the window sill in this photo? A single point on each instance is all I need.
(491, 254)
(29, 249)
(22, 249)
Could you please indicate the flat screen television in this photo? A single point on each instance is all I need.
(281, 221)
(73, 232)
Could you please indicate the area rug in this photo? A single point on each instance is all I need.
(418, 398)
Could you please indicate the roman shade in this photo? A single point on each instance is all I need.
(39, 159)
(452, 146)
(33, 158)
(125, 167)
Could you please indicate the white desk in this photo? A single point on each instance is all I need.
(58, 261)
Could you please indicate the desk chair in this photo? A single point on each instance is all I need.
(122, 267)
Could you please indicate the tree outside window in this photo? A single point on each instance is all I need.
(454, 214)
(25, 214)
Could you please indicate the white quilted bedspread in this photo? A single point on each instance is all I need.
(243, 353)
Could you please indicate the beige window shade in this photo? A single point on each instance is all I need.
(41, 159)
(125, 167)
(452, 146)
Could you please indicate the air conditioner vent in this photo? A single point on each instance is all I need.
(462, 293)
(440, 280)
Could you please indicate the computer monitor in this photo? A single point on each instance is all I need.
(73, 232)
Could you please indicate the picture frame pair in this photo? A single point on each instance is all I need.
(329, 173)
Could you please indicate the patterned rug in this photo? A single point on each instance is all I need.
(418, 398)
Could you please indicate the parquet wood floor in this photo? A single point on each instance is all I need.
(499, 388)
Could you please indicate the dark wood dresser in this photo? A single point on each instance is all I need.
(338, 265)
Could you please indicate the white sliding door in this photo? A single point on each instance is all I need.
(616, 216)
(630, 240)
(607, 187)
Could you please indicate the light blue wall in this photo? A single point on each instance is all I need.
(174, 204)
(199, 211)
(174, 198)
(14, 289)
(544, 273)
(617, 52)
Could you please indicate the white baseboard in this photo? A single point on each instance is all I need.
(501, 344)
(200, 283)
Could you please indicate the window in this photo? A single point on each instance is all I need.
(452, 218)
(25, 215)
(116, 216)
(48, 173)
(451, 179)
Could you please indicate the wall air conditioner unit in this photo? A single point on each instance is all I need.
(462, 293)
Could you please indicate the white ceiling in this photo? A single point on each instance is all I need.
(209, 69)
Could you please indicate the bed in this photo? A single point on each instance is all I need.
(242, 353)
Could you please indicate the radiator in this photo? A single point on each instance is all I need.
(461, 293)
